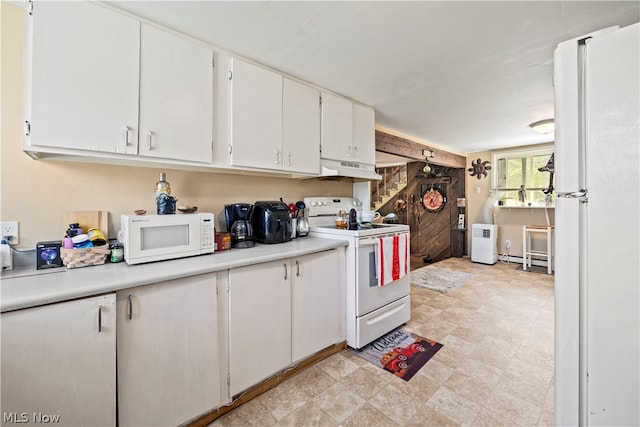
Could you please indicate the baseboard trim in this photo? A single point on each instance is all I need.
(266, 385)
(518, 260)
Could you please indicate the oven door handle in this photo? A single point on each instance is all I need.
(375, 241)
(368, 242)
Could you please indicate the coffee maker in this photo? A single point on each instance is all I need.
(238, 217)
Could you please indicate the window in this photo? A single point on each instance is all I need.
(520, 168)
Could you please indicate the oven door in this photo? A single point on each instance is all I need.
(369, 295)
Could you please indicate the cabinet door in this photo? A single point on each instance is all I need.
(337, 128)
(364, 134)
(84, 78)
(259, 323)
(176, 97)
(316, 303)
(300, 128)
(60, 360)
(256, 116)
(167, 351)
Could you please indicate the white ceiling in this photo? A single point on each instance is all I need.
(468, 76)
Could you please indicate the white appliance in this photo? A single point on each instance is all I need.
(484, 243)
(149, 238)
(371, 310)
(597, 283)
(350, 169)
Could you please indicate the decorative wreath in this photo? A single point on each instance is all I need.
(433, 200)
(400, 205)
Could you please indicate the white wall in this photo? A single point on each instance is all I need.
(509, 221)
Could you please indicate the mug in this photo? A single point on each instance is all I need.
(367, 216)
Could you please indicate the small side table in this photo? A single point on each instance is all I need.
(527, 251)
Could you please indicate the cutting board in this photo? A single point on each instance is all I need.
(87, 220)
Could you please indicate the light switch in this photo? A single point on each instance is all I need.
(478, 189)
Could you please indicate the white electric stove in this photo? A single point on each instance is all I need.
(371, 310)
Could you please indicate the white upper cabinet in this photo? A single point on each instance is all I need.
(364, 134)
(176, 97)
(348, 130)
(275, 121)
(84, 78)
(337, 127)
(300, 128)
(256, 116)
(104, 82)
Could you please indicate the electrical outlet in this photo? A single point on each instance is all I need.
(10, 228)
(507, 244)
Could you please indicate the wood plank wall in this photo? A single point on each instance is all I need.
(431, 233)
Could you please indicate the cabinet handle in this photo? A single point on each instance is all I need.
(298, 268)
(127, 129)
(149, 139)
(277, 157)
(99, 318)
(355, 151)
(348, 151)
(289, 159)
(129, 308)
(286, 275)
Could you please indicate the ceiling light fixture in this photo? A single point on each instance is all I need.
(543, 126)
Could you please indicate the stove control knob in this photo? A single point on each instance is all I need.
(355, 202)
(313, 204)
(323, 203)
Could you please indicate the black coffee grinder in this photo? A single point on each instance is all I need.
(238, 217)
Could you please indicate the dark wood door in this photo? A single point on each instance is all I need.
(431, 234)
(431, 225)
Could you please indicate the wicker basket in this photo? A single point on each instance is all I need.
(75, 258)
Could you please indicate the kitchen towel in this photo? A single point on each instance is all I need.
(393, 258)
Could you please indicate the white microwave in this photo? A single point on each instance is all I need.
(148, 238)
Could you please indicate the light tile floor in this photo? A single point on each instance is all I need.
(495, 369)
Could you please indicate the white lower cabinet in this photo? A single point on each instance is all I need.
(316, 303)
(175, 341)
(59, 363)
(281, 312)
(167, 351)
(259, 322)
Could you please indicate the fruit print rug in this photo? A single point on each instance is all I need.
(400, 352)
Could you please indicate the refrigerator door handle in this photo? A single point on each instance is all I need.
(583, 195)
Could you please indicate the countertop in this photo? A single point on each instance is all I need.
(39, 289)
(524, 207)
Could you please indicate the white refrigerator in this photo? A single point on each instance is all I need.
(597, 280)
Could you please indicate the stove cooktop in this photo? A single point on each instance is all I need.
(375, 230)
